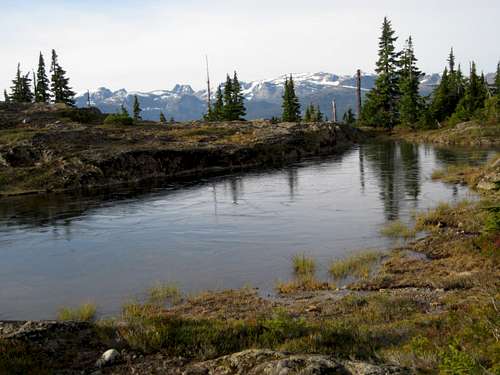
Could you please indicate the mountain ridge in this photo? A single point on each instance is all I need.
(262, 97)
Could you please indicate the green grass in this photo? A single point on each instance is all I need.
(397, 229)
(303, 265)
(358, 265)
(83, 313)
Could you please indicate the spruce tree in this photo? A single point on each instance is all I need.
(61, 92)
(137, 109)
(42, 85)
(124, 111)
(319, 114)
(239, 111)
(291, 105)
(497, 80)
(21, 88)
(218, 109)
(348, 117)
(163, 119)
(380, 108)
(307, 115)
(409, 101)
(228, 100)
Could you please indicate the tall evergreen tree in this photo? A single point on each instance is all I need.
(228, 108)
(239, 110)
(291, 104)
(137, 109)
(218, 110)
(319, 115)
(21, 88)
(410, 100)
(348, 117)
(163, 119)
(497, 80)
(42, 84)
(307, 115)
(61, 92)
(475, 93)
(380, 108)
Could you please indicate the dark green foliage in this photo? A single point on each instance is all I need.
(21, 90)
(163, 119)
(118, 119)
(89, 115)
(228, 99)
(410, 100)
(6, 97)
(218, 109)
(124, 111)
(229, 103)
(380, 108)
(275, 120)
(450, 91)
(497, 80)
(476, 93)
(239, 110)
(313, 114)
(61, 92)
(42, 94)
(137, 109)
(349, 118)
(291, 105)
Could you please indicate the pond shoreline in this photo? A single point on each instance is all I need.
(408, 315)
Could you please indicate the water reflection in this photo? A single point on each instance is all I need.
(222, 232)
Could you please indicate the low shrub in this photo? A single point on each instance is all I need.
(118, 119)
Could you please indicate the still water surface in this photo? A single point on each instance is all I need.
(223, 232)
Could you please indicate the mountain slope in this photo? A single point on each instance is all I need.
(262, 98)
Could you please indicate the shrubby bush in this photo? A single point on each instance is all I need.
(118, 119)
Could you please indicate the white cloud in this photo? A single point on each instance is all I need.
(145, 45)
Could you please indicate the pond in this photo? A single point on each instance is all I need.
(222, 232)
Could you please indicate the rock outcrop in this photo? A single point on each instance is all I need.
(268, 362)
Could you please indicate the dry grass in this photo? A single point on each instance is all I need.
(303, 284)
(357, 265)
(464, 215)
(397, 229)
(83, 313)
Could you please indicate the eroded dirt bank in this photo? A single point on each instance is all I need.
(46, 148)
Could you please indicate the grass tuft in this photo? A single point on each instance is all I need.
(164, 293)
(358, 265)
(397, 229)
(303, 284)
(83, 313)
(303, 265)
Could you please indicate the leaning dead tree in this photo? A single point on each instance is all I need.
(334, 111)
(209, 99)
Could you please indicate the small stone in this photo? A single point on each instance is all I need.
(107, 358)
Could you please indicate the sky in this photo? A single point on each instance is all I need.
(152, 44)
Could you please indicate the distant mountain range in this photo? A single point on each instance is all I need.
(262, 98)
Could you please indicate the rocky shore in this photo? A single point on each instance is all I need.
(48, 148)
